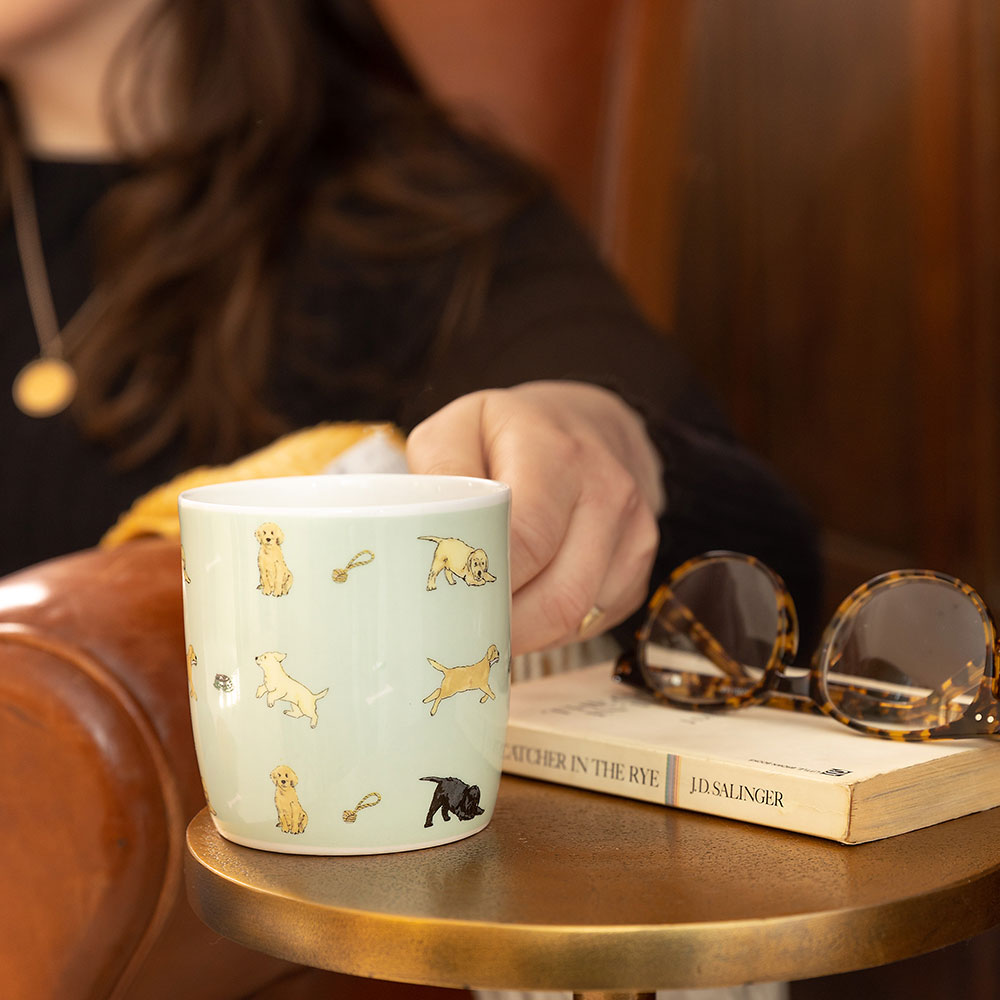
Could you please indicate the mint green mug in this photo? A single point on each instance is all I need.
(348, 650)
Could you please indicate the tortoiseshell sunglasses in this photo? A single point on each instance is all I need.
(909, 655)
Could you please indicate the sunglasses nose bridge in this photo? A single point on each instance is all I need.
(796, 685)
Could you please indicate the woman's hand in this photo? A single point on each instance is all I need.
(586, 490)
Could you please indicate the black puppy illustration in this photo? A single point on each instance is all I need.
(453, 795)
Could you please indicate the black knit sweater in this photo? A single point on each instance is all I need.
(553, 311)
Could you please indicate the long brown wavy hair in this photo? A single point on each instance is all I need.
(285, 121)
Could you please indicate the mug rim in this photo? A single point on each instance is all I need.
(315, 495)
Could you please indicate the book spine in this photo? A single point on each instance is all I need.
(738, 791)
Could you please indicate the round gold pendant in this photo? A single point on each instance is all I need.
(44, 387)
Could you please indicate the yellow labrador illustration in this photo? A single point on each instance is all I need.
(278, 686)
(292, 818)
(456, 558)
(475, 677)
(275, 576)
(192, 662)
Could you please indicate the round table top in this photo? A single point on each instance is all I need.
(573, 890)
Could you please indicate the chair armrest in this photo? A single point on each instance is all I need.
(99, 782)
(93, 814)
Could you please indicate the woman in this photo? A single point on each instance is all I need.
(252, 219)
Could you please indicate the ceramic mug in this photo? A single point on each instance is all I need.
(348, 648)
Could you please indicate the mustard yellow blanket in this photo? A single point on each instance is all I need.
(301, 453)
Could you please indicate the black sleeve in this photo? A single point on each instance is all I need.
(554, 311)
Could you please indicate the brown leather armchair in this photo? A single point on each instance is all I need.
(99, 776)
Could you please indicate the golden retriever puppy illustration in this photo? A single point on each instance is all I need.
(184, 568)
(278, 686)
(275, 576)
(456, 558)
(292, 818)
(475, 677)
(192, 662)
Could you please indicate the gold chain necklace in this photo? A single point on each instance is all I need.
(46, 385)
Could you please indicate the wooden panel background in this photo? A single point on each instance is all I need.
(837, 274)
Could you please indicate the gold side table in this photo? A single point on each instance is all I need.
(572, 890)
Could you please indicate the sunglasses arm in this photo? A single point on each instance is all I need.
(981, 718)
(678, 617)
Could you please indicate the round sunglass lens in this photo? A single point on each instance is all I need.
(712, 639)
(907, 654)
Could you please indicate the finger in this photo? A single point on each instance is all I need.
(626, 582)
(449, 442)
(605, 560)
(540, 465)
(613, 602)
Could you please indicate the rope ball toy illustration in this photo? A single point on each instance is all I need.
(350, 815)
(340, 575)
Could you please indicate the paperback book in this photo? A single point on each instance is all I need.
(792, 770)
